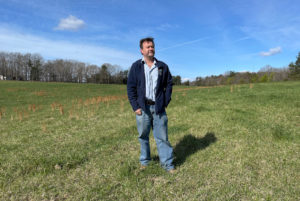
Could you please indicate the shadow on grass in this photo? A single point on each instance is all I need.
(190, 144)
(155, 158)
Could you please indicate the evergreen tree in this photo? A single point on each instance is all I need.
(294, 69)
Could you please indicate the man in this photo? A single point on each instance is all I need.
(149, 89)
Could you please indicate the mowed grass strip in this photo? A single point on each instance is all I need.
(79, 142)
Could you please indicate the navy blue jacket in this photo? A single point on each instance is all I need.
(136, 86)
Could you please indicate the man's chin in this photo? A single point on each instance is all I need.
(150, 56)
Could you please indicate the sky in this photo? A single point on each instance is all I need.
(195, 38)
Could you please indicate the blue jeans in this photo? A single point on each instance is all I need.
(159, 124)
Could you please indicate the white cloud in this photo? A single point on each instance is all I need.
(70, 23)
(271, 52)
(13, 40)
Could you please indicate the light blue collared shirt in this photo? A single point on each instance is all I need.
(151, 75)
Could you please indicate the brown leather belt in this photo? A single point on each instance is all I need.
(149, 102)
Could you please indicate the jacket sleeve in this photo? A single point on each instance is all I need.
(132, 88)
(169, 87)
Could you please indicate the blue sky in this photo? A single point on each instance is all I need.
(195, 38)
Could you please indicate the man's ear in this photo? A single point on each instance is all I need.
(141, 51)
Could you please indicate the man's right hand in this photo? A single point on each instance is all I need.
(138, 111)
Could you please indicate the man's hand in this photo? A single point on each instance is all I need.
(138, 111)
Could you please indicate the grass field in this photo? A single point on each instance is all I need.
(64, 141)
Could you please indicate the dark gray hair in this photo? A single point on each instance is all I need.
(148, 39)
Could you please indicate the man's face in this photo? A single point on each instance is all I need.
(148, 49)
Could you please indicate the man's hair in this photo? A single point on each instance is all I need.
(148, 39)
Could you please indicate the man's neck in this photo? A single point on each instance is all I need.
(149, 61)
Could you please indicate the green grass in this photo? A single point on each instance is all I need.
(79, 142)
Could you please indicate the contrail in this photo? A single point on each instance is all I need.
(197, 40)
(185, 43)
(241, 39)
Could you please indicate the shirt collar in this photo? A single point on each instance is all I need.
(143, 61)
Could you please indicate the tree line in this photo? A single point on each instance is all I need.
(265, 74)
(32, 67)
